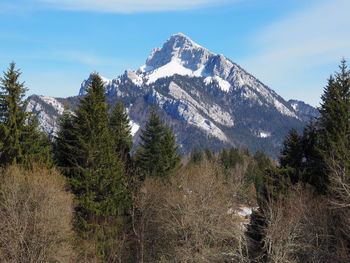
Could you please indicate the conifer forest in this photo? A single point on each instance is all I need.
(91, 194)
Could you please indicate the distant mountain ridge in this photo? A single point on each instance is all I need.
(207, 100)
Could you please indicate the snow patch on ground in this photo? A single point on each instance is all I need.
(264, 134)
(134, 127)
(243, 211)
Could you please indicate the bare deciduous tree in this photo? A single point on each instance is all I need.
(35, 216)
(186, 218)
(339, 200)
(284, 219)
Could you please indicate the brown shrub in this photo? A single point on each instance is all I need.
(185, 218)
(339, 204)
(35, 216)
(299, 228)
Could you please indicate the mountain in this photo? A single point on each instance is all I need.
(207, 100)
(305, 111)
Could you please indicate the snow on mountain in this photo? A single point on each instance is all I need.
(173, 67)
(189, 111)
(214, 111)
(134, 127)
(264, 134)
(135, 78)
(109, 84)
(54, 103)
(205, 98)
(304, 110)
(180, 55)
(47, 111)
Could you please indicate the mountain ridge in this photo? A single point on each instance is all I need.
(203, 93)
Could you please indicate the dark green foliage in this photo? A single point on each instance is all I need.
(171, 158)
(309, 159)
(263, 172)
(255, 233)
(20, 141)
(292, 155)
(312, 159)
(66, 145)
(333, 126)
(224, 158)
(292, 151)
(38, 148)
(246, 152)
(262, 163)
(149, 155)
(265, 177)
(196, 156)
(157, 154)
(121, 132)
(209, 155)
(230, 158)
(275, 183)
(85, 152)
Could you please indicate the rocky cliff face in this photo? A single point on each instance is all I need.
(207, 100)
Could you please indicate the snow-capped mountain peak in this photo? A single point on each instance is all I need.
(106, 82)
(179, 55)
(181, 48)
(206, 98)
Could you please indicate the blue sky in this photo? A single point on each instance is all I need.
(292, 45)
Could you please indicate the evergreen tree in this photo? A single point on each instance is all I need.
(234, 157)
(312, 158)
(100, 167)
(121, 132)
(292, 155)
(170, 156)
(270, 183)
(333, 126)
(156, 155)
(149, 154)
(224, 158)
(21, 142)
(309, 158)
(196, 156)
(85, 151)
(66, 145)
(209, 155)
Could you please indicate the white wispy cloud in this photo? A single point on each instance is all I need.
(80, 57)
(308, 39)
(131, 6)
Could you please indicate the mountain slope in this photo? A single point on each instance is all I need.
(208, 100)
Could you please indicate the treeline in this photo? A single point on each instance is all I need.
(304, 203)
(85, 198)
(90, 196)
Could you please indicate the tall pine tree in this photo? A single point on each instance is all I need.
(156, 155)
(334, 126)
(21, 142)
(121, 133)
(170, 155)
(85, 151)
(292, 156)
(66, 145)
